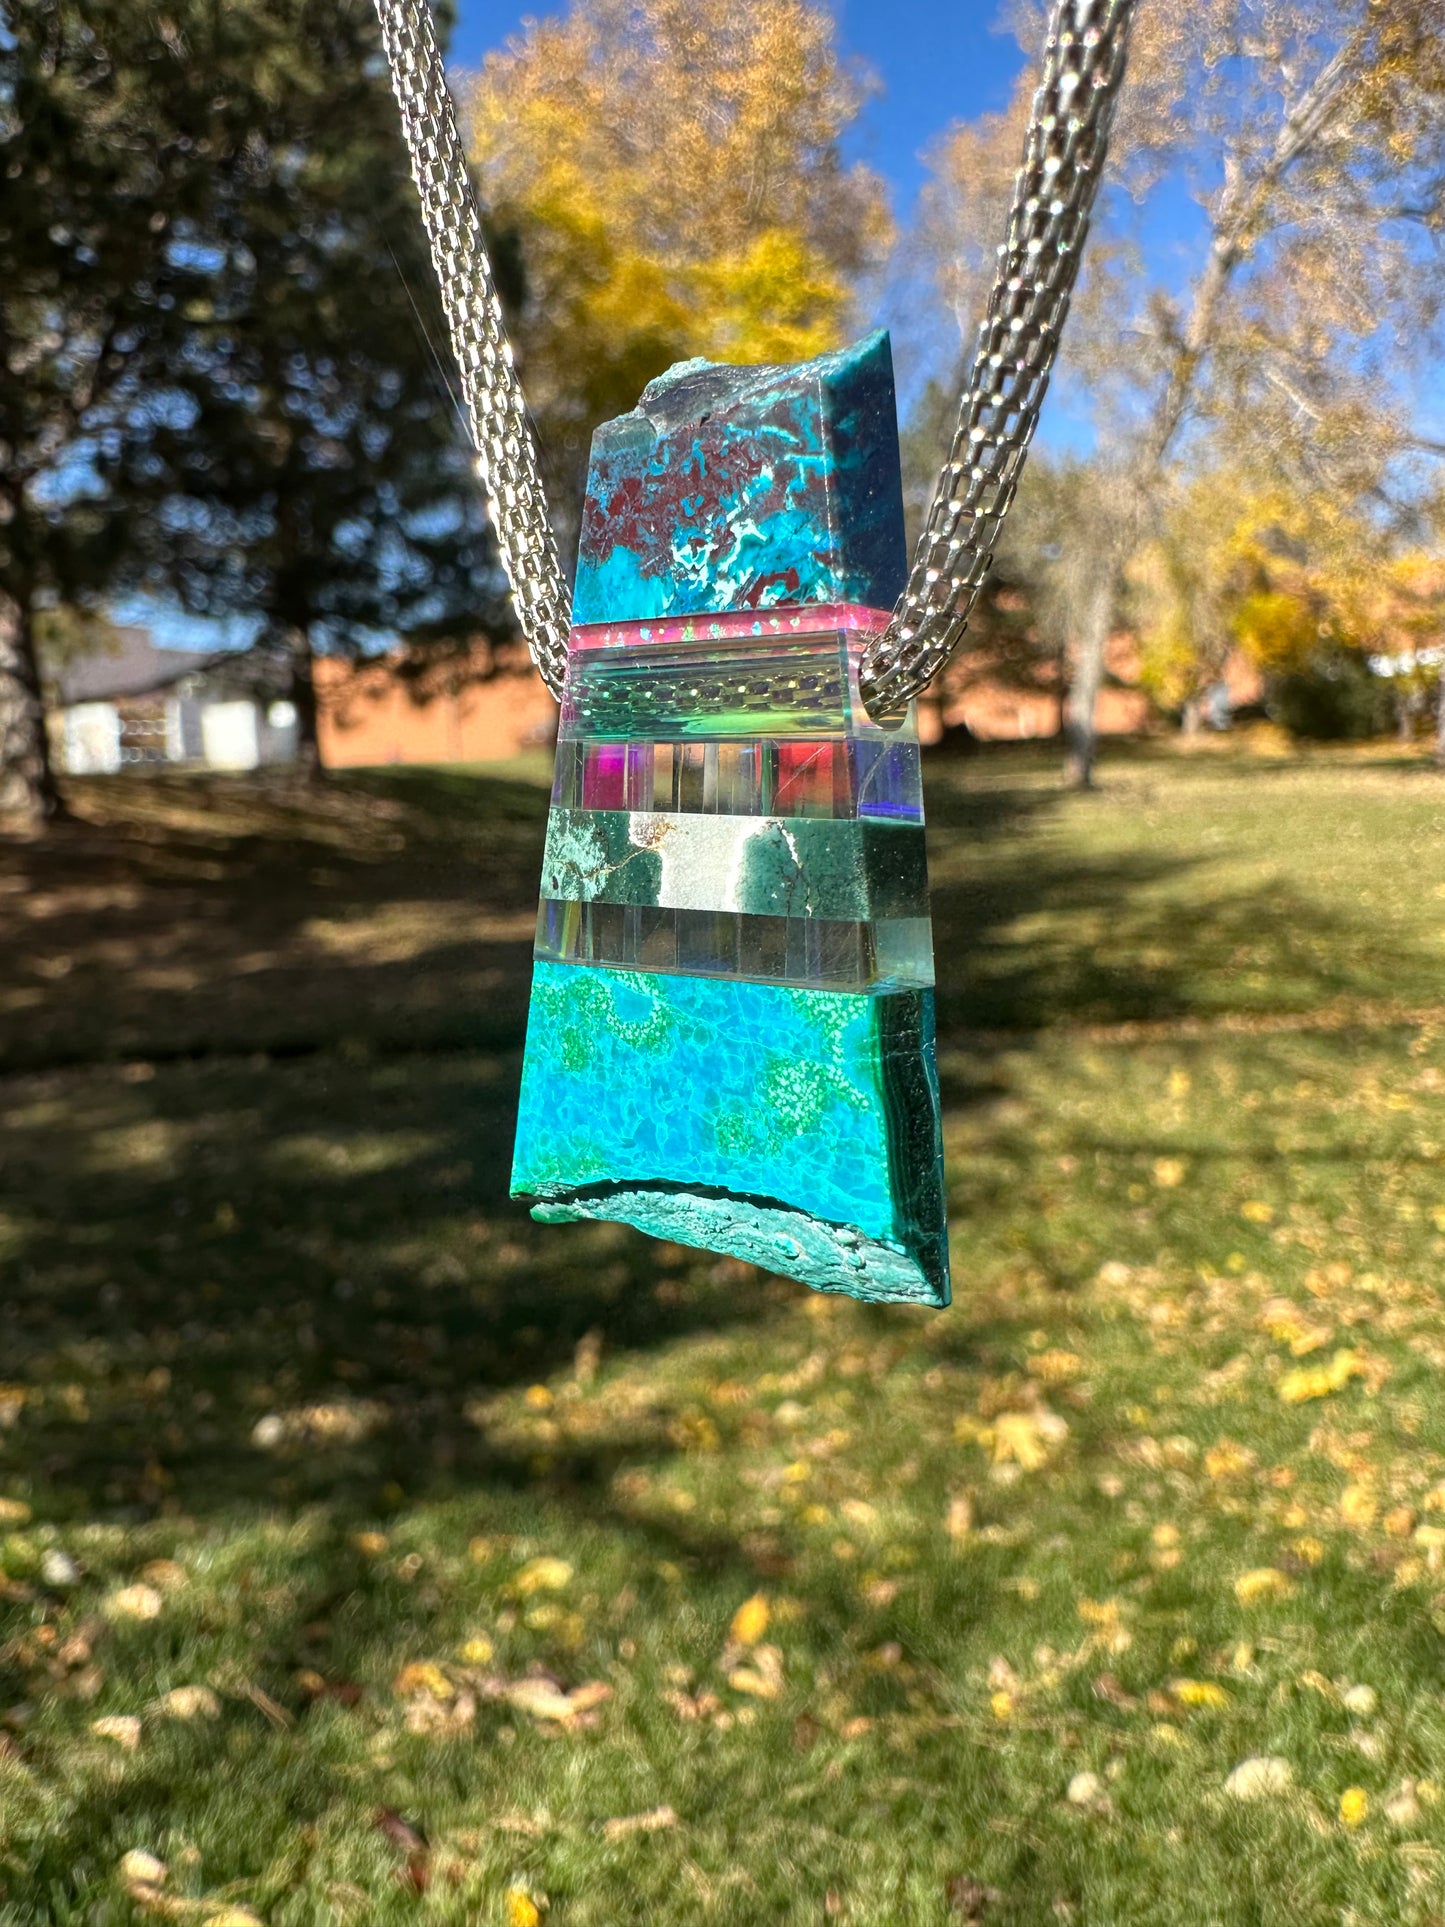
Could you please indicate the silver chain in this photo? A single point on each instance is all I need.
(1038, 263)
(1054, 193)
(496, 411)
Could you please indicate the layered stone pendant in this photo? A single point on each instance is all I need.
(731, 1032)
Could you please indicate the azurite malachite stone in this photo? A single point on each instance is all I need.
(731, 1034)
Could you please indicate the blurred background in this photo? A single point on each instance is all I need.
(369, 1552)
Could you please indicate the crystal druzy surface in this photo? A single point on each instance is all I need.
(731, 1034)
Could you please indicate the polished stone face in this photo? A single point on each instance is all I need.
(731, 1034)
(747, 488)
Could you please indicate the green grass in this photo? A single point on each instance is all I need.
(270, 1320)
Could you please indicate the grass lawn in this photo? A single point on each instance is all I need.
(371, 1554)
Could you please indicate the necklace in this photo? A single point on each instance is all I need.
(730, 1041)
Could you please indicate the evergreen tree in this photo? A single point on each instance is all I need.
(213, 377)
(308, 467)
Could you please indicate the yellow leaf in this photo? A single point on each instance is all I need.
(134, 1602)
(14, 1512)
(231, 1917)
(1257, 1211)
(543, 1575)
(538, 1398)
(1358, 1507)
(522, 1910)
(1226, 1460)
(123, 1728)
(763, 1679)
(1168, 1173)
(1263, 1584)
(1024, 1438)
(1311, 1550)
(1199, 1692)
(191, 1703)
(370, 1544)
(1056, 1367)
(750, 1621)
(422, 1677)
(1320, 1380)
(139, 1865)
(476, 1651)
(1001, 1705)
(1354, 1806)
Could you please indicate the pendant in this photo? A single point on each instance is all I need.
(730, 1041)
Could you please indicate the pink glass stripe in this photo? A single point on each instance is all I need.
(803, 619)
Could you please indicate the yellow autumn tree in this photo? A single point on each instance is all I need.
(670, 181)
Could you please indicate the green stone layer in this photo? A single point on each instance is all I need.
(759, 865)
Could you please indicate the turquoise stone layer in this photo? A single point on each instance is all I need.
(745, 488)
(795, 1128)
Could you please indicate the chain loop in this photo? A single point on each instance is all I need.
(1054, 194)
(496, 412)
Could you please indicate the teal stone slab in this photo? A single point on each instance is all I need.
(759, 865)
(796, 1128)
(747, 488)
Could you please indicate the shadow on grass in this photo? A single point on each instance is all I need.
(294, 1197)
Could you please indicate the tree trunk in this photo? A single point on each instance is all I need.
(1081, 735)
(303, 698)
(28, 789)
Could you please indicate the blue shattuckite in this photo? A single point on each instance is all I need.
(731, 1034)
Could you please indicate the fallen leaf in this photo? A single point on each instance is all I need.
(1086, 1790)
(407, 1840)
(134, 1602)
(1168, 1173)
(542, 1575)
(650, 1822)
(750, 1621)
(139, 1865)
(1358, 1506)
(14, 1512)
(1024, 1438)
(166, 1575)
(1107, 1688)
(1354, 1806)
(1262, 1777)
(542, 1699)
(1320, 1380)
(959, 1519)
(1261, 1586)
(190, 1703)
(522, 1910)
(1200, 1693)
(763, 1679)
(123, 1728)
(970, 1899)
(420, 1676)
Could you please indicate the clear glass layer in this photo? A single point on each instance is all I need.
(823, 953)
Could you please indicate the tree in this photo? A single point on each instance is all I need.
(671, 183)
(99, 173)
(213, 378)
(307, 467)
(1311, 134)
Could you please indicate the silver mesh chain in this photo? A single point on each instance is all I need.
(1054, 193)
(496, 412)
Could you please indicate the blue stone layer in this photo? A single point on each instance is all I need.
(794, 1127)
(747, 488)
